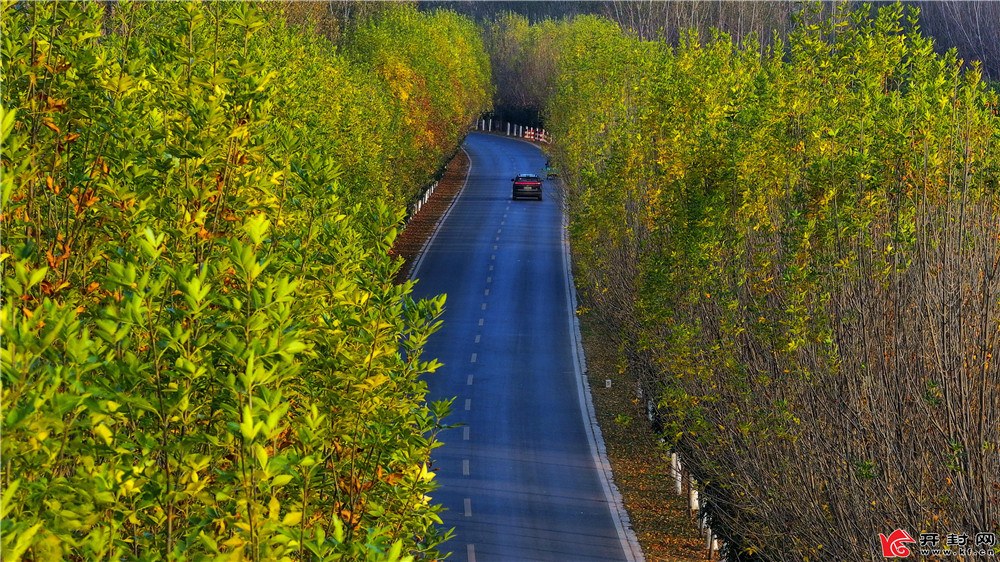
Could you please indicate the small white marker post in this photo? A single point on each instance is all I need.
(675, 465)
(693, 495)
(607, 383)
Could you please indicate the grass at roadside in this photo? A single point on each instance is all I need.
(660, 518)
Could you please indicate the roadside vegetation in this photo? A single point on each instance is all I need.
(204, 354)
(796, 248)
(660, 517)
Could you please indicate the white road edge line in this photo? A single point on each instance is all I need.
(629, 542)
(441, 221)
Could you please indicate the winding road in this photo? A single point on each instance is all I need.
(523, 478)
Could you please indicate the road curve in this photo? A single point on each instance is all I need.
(519, 479)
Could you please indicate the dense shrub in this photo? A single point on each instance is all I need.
(204, 355)
(799, 248)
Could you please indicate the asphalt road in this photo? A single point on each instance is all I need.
(520, 479)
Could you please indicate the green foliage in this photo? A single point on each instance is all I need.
(798, 249)
(204, 355)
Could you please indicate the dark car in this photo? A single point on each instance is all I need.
(527, 185)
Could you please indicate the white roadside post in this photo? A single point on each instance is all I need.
(693, 495)
(675, 464)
